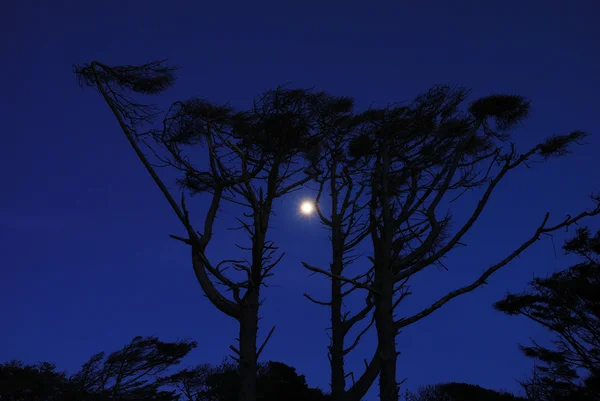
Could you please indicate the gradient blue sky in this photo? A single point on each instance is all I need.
(86, 261)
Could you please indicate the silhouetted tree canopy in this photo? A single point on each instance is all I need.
(416, 161)
(412, 161)
(249, 157)
(459, 392)
(568, 304)
(275, 381)
(133, 373)
(20, 382)
(142, 371)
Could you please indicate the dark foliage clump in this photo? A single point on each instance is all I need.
(568, 304)
(459, 392)
(148, 79)
(142, 371)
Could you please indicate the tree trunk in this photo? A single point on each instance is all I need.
(338, 334)
(248, 351)
(386, 335)
(338, 381)
(384, 282)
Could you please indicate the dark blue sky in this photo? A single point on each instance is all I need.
(86, 261)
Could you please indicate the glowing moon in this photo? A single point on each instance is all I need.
(307, 208)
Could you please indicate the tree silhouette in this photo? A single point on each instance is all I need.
(459, 392)
(254, 158)
(568, 304)
(275, 381)
(416, 159)
(20, 382)
(348, 228)
(143, 371)
(134, 373)
(412, 160)
(428, 393)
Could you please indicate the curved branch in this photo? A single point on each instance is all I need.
(198, 258)
(458, 236)
(542, 229)
(365, 381)
(342, 278)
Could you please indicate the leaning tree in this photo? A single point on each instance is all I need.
(137, 371)
(567, 303)
(251, 159)
(415, 159)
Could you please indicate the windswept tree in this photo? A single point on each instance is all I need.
(134, 372)
(416, 158)
(137, 372)
(568, 304)
(143, 370)
(252, 158)
(348, 227)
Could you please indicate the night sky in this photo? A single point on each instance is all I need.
(86, 260)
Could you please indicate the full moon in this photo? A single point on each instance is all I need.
(307, 208)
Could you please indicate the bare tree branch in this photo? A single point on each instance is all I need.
(260, 349)
(342, 278)
(542, 229)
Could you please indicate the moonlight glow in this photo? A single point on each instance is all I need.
(307, 208)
